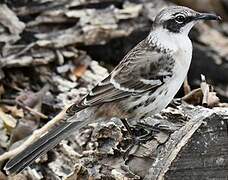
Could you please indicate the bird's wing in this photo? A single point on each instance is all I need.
(143, 69)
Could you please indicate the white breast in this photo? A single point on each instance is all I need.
(182, 53)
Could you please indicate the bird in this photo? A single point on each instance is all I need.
(141, 85)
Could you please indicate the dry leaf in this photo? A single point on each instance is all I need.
(79, 70)
(32, 101)
(194, 97)
(14, 111)
(9, 122)
(203, 95)
(213, 99)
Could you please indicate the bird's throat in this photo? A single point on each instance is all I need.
(163, 39)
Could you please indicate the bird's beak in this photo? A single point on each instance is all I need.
(207, 16)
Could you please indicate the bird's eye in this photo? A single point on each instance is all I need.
(179, 19)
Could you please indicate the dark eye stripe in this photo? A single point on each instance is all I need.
(174, 26)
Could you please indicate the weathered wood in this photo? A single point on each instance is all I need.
(176, 141)
(205, 156)
(197, 151)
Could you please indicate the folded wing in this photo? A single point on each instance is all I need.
(142, 69)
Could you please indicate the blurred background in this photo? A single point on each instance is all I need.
(53, 51)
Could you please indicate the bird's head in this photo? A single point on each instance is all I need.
(179, 19)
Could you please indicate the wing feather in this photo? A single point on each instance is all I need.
(142, 69)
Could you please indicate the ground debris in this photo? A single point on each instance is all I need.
(204, 95)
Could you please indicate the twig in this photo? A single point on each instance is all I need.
(32, 111)
(27, 48)
(205, 89)
(187, 88)
(35, 135)
(40, 95)
(225, 105)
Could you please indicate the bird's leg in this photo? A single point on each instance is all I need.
(150, 131)
(133, 138)
(128, 127)
(136, 140)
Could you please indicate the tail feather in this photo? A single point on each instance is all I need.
(41, 146)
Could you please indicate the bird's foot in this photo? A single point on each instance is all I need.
(154, 129)
(140, 134)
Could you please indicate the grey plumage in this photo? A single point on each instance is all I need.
(143, 69)
(143, 83)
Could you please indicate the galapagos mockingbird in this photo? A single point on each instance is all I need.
(142, 84)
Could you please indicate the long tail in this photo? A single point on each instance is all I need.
(42, 145)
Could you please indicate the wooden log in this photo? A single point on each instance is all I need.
(205, 156)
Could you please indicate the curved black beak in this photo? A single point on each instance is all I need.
(207, 16)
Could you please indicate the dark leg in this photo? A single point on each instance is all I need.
(150, 131)
(128, 127)
(136, 140)
(155, 128)
(133, 138)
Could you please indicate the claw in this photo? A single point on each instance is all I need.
(137, 140)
